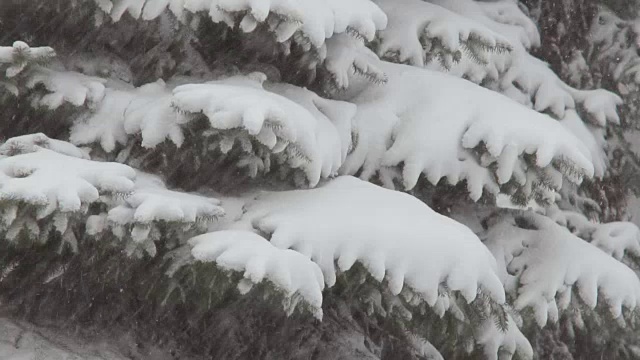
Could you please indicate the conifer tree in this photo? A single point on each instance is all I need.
(371, 179)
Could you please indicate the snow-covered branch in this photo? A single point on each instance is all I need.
(432, 123)
(259, 260)
(552, 266)
(476, 48)
(308, 22)
(303, 130)
(349, 220)
(150, 204)
(419, 31)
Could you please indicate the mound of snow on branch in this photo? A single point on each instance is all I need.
(310, 133)
(57, 180)
(496, 342)
(311, 21)
(488, 43)
(429, 122)
(152, 201)
(138, 215)
(302, 130)
(20, 55)
(414, 26)
(146, 110)
(394, 235)
(260, 260)
(66, 86)
(617, 239)
(33, 142)
(346, 56)
(549, 263)
(49, 179)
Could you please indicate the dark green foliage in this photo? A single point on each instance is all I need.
(198, 310)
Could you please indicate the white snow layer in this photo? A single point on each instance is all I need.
(302, 129)
(394, 235)
(312, 133)
(542, 87)
(403, 121)
(346, 56)
(314, 20)
(145, 110)
(33, 142)
(67, 86)
(410, 21)
(415, 25)
(151, 202)
(55, 181)
(618, 238)
(136, 216)
(61, 86)
(592, 137)
(497, 344)
(260, 260)
(549, 263)
(20, 55)
(428, 121)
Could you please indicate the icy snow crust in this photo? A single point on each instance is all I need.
(394, 235)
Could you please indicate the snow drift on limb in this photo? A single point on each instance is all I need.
(395, 236)
(310, 21)
(430, 122)
(259, 260)
(302, 129)
(48, 178)
(150, 203)
(55, 179)
(488, 43)
(146, 110)
(496, 342)
(33, 142)
(420, 30)
(553, 263)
